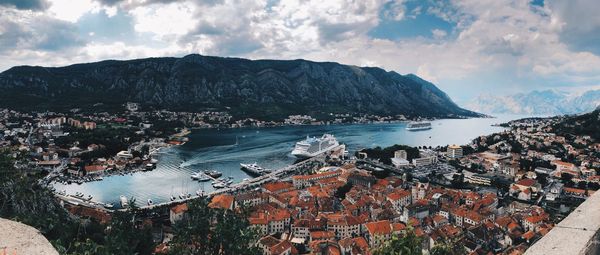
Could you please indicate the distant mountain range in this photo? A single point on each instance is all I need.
(250, 88)
(547, 102)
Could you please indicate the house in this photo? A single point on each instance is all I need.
(351, 246)
(532, 222)
(344, 226)
(563, 166)
(277, 187)
(524, 188)
(251, 199)
(177, 212)
(381, 231)
(399, 199)
(222, 201)
(555, 191)
(95, 169)
(303, 181)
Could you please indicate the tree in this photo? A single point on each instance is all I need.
(410, 244)
(23, 199)
(212, 231)
(341, 191)
(448, 247)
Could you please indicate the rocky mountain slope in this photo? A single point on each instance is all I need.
(547, 102)
(256, 88)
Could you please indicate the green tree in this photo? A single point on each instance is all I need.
(409, 244)
(212, 231)
(448, 247)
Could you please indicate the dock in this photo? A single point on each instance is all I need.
(254, 183)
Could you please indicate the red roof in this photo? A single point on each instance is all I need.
(222, 201)
(379, 227)
(179, 208)
(526, 182)
(95, 168)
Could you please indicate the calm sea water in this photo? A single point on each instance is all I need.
(269, 147)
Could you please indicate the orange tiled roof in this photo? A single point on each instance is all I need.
(95, 168)
(312, 176)
(528, 235)
(397, 195)
(222, 201)
(379, 228)
(179, 208)
(277, 186)
(526, 182)
(281, 247)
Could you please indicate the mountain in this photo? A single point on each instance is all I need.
(547, 102)
(255, 88)
(583, 124)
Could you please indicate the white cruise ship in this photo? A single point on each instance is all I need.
(415, 126)
(313, 146)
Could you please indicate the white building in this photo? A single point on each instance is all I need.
(400, 154)
(424, 161)
(454, 151)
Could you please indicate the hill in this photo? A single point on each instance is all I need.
(249, 88)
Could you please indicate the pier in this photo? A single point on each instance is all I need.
(255, 182)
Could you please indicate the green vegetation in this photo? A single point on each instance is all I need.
(203, 231)
(113, 139)
(213, 231)
(586, 124)
(23, 200)
(384, 155)
(410, 244)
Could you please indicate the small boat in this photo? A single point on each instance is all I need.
(213, 173)
(254, 169)
(109, 206)
(200, 192)
(124, 202)
(196, 176)
(219, 185)
(150, 202)
(173, 198)
(181, 196)
(189, 195)
(89, 197)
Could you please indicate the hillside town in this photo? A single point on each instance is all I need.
(347, 210)
(496, 195)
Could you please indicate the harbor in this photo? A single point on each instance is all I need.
(270, 148)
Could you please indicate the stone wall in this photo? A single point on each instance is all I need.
(17, 238)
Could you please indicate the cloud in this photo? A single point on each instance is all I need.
(482, 44)
(24, 31)
(438, 33)
(396, 10)
(34, 5)
(580, 23)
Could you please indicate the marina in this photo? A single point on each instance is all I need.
(224, 150)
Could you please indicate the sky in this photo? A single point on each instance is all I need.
(466, 48)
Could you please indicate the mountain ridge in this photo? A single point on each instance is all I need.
(544, 102)
(255, 88)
